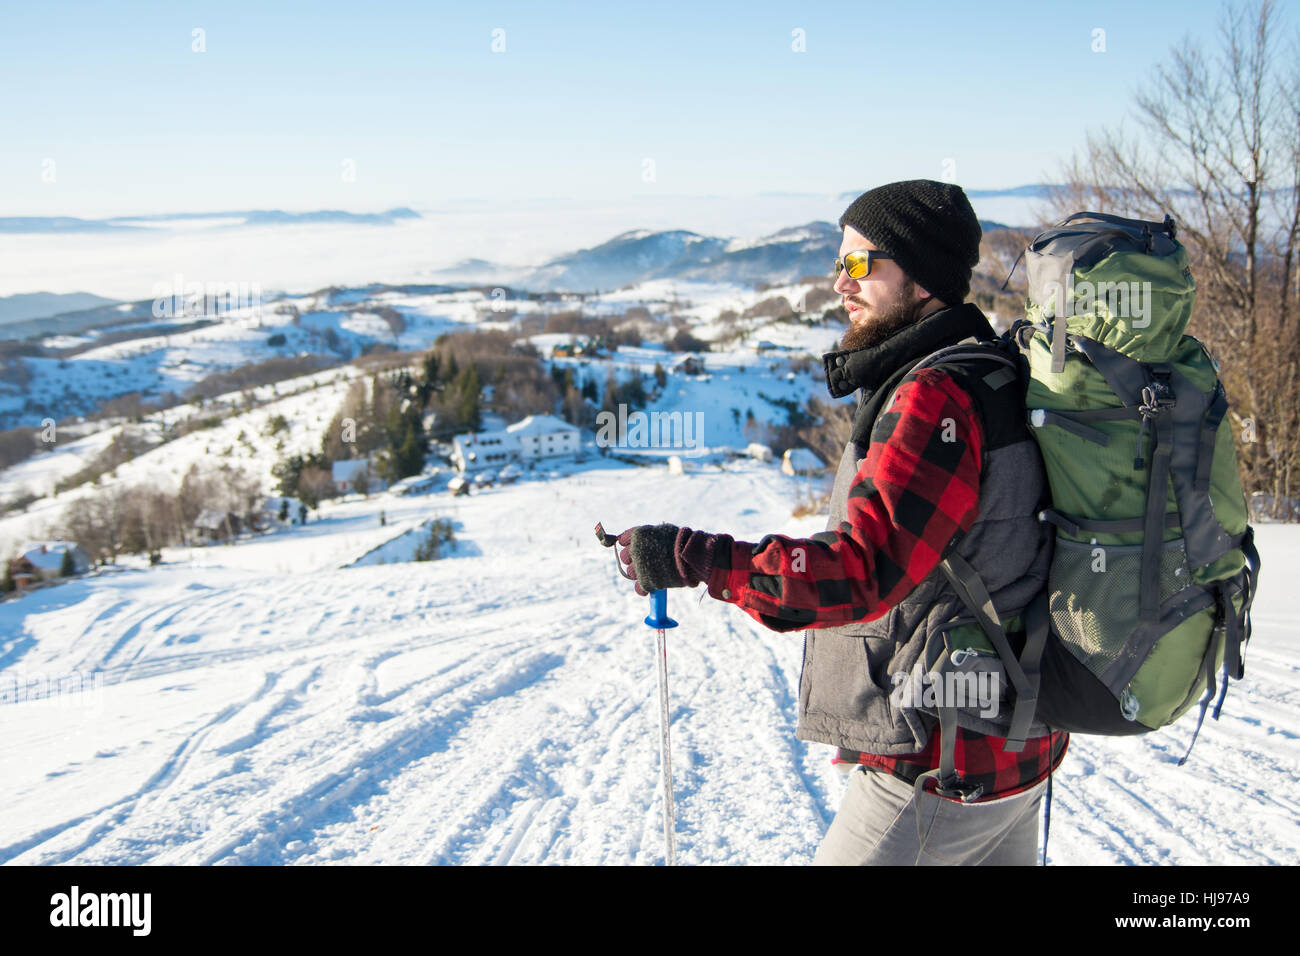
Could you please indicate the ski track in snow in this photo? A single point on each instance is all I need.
(500, 707)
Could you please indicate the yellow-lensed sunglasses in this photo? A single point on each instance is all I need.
(859, 263)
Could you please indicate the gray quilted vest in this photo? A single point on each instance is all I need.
(860, 686)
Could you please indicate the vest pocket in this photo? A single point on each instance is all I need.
(844, 673)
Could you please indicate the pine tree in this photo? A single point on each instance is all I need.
(468, 407)
(431, 370)
(68, 566)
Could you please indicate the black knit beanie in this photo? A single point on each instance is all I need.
(928, 227)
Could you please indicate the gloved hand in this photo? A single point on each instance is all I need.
(662, 556)
(649, 553)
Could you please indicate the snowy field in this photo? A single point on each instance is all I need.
(266, 703)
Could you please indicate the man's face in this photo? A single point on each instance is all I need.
(878, 304)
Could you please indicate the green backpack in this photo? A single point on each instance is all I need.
(1154, 567)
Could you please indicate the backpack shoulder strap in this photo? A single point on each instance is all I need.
(962, 355)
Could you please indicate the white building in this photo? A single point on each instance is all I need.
(545, 436)
(534, 438)
(479, 450)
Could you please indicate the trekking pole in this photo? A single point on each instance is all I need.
(659, 620)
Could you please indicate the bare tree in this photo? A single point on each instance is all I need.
(1218, 148)
(223, 488)
(98, 522)
(315, 484)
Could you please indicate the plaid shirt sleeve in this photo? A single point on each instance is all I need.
(915, 495)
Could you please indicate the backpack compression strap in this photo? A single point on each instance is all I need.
(1147, 226)
(1023, 672)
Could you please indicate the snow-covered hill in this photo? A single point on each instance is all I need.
(265, 703)
(156, 357)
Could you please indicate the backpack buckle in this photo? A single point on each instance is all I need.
(1157, 396)
(953, 787)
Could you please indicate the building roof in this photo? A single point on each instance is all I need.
(539, 425)
(48, 555)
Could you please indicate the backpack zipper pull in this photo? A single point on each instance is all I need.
(1129, 706)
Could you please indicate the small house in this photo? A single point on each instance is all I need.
(43, 561)
(217, 525)
(691, 365)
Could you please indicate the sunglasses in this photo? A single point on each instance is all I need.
(858, 264)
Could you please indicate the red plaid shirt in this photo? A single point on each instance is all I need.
(915, 495)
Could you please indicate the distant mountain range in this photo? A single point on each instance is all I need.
(250, 217)
(35, 305)
(627, 259)
(642, 256)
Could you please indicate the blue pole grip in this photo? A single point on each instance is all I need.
(658, 617)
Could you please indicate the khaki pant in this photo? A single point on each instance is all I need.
(877, 826)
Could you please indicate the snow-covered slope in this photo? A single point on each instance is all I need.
(263, 703)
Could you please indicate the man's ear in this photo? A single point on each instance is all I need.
(928, 302)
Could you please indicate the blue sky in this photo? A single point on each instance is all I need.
(586, 100)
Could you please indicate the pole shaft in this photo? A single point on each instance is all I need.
(665, 751)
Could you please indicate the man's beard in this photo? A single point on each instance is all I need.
(896, 314)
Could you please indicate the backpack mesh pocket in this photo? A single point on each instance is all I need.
(1095, 591)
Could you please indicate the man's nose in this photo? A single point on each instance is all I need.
(844, 285)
